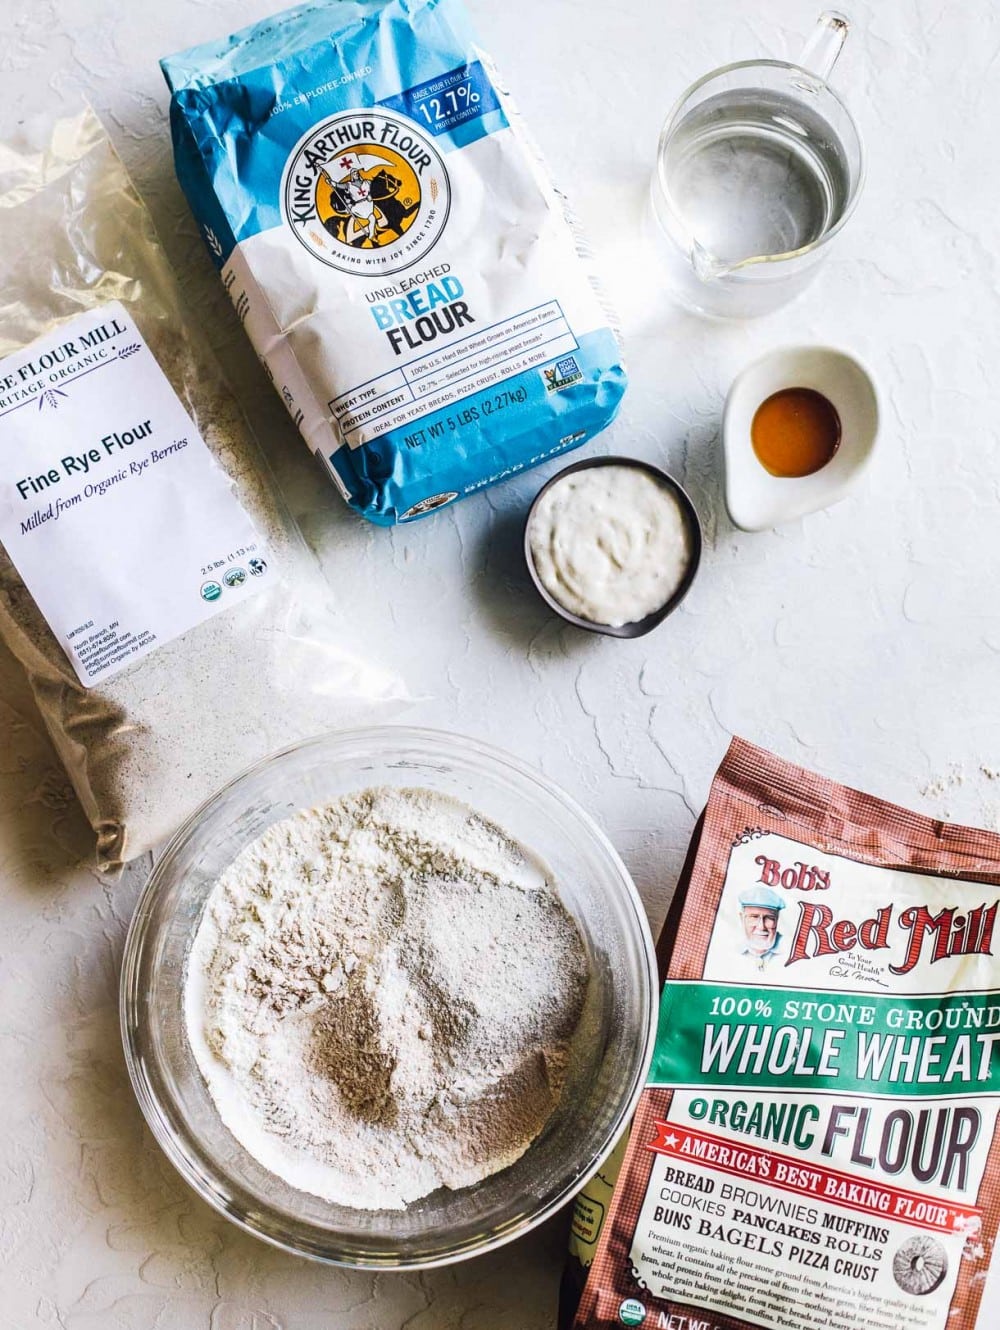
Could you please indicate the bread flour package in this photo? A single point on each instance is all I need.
(391, 241)
(817, 1146)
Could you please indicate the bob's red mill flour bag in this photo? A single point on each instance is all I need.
(817, 1147)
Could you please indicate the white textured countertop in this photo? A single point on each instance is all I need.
(863, 642)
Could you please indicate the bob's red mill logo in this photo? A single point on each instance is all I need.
(928, 936)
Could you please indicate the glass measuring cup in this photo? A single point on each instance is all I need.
(758, 168)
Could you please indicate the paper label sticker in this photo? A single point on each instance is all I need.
(120, 522)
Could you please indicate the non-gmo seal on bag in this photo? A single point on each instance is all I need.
(395, 249)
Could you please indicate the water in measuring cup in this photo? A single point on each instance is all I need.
(753, 173)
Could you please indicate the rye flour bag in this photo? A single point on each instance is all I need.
(171, 621)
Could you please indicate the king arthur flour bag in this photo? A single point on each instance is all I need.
(390, 239)
(817, 1147)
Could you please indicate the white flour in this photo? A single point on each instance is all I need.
(381, 996)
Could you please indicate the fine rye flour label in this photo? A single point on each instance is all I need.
(122, 525)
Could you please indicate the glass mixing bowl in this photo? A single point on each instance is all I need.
(609, 1067)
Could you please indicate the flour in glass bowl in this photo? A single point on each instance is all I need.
(382, 995)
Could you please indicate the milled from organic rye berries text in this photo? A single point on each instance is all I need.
(382, 996)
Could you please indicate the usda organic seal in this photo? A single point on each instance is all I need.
(631, 1312)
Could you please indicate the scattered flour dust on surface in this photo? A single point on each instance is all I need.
(382, 995)
(984, 780)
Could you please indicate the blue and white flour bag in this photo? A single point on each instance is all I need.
(391, 240)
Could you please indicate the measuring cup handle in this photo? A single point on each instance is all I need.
(819, 55)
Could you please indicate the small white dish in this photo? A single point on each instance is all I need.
(756, 500)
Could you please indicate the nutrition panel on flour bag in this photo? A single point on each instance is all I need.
(113, 510)
(817, 1145)
(398, 256)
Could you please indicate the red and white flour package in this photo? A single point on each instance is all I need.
(817, 1147)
